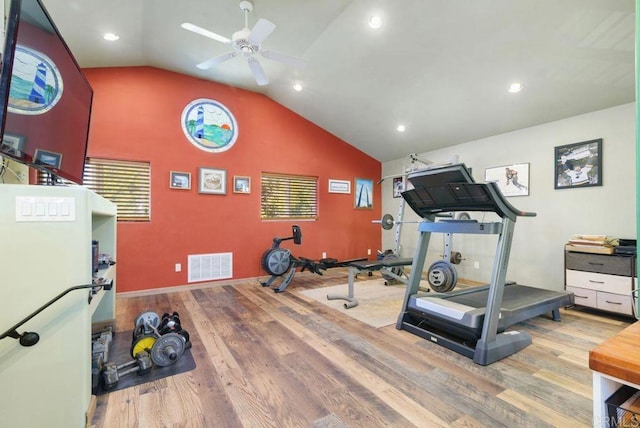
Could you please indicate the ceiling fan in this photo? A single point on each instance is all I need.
(247, 43)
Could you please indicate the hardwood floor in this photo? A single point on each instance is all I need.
(283, 360)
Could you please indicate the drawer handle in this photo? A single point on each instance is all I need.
(596, 282)
(613, 303)
(595, 264)
(580, 297)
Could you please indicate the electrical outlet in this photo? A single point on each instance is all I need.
(369, 252)
(178, 267)
(324, 255)
(476, 265)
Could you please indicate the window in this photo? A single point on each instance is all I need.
(125, 183)
(289, 196)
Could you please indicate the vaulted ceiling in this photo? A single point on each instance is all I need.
(439, 67)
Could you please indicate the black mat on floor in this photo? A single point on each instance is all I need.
(120, 352)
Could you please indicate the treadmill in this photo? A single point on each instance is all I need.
(472, 322)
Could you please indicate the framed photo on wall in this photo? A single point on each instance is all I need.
(339, 186)
(212, 181)
(180, 180)
(513, 180)
(398, 187)
(578, 164)
(363, 193)
(241, 184)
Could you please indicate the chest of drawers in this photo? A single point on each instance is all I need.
(601, 281)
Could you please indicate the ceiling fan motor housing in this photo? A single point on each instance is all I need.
(246, 6)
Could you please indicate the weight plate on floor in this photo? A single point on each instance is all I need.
(142, 344)
(147, 318)
(167, 350)
(442, 276)
(276, 261)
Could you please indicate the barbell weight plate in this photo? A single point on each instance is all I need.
(142, 344)
(442, 276)
(387, 221)
(147, 318)
(167, 350)
(456, 257)
(276, 261)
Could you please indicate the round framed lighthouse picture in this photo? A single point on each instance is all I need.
(209, 125)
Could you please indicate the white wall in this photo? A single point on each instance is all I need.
(537, 255)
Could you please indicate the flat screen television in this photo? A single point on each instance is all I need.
(45, 98)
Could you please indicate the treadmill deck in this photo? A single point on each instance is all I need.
(465, 309)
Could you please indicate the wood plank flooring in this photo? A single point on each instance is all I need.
(283, 360)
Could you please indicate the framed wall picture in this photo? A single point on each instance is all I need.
(363, 193)
(339, 186)
(513, 180)
(398, 187)
(241, 184)
(47, 158)
(212, 181)
(578, 164)
(180, 180)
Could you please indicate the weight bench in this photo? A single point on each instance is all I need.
(390, 266)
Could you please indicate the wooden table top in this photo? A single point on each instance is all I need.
(619, 356)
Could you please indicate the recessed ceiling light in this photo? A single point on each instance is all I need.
(515, 87)
(297, 87)
(401, 128)
(111, 37)
(375, 21)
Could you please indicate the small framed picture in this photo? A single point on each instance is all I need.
(180, 180)
(46, 158)
(339, 186)
(12, 144)
(398, 187)
(364, 193)
(241, 184)
(512, 180)
(212, 181)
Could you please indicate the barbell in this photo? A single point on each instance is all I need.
(387, 221)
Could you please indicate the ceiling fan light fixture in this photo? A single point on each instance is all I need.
(111, 37)
(375, 21)
(515, 87)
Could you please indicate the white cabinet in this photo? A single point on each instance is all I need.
(46, 234)
(600, 281)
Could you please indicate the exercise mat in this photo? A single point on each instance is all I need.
(120, 352)
(378, 304)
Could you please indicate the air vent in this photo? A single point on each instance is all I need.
(209, 267)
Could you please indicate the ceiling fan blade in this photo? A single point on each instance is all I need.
(261, 31)
(291, 60)
(203, 32)
(258, 72)
(216, 60)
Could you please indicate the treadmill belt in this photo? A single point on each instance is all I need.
(519, 303)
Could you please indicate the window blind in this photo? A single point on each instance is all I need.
(289, 196)
(125, 183)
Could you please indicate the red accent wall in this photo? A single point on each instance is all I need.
(136, 116)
